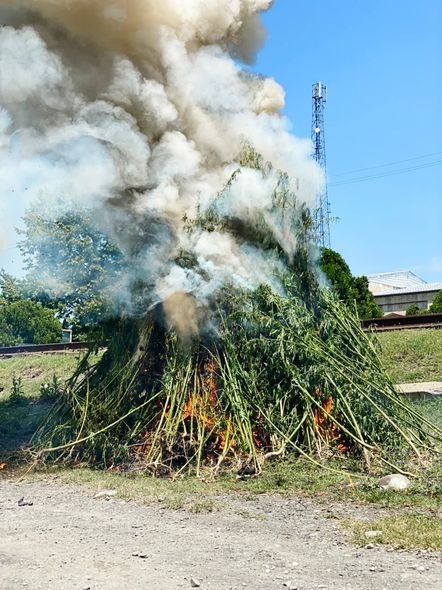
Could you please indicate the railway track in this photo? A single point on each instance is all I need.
(43, 348)
(419, 322)
(413, 322)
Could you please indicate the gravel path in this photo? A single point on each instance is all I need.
(71, 541)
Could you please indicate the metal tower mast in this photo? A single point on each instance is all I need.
(322, 212)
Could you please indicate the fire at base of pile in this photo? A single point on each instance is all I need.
(283, 376)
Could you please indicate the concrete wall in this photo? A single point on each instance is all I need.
(400, 301)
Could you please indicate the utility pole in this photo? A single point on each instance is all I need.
(322, 212)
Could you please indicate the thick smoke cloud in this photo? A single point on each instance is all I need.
(138, 109)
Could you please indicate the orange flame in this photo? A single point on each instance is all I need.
(325, 427)
(203, 406)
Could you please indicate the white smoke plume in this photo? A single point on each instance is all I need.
(139, 109)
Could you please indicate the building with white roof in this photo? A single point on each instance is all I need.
(396, 291)
(387, 281)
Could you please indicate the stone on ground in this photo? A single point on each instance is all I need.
(395, 481)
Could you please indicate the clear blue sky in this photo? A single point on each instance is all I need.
(382, 62)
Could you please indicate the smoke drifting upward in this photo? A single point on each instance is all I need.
(139, 109)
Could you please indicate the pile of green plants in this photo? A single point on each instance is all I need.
(280, 377)
(274, 370)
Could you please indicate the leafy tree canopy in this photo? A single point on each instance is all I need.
(27, 322)
(413, 310)
(436, 306)
(71, 264)
(338, 273)
(11, 288)
(350, 289)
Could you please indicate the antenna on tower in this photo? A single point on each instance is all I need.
(322, 212)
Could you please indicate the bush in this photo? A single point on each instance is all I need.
(349, 289)
(413, 310)
(436, 306)
(26, 322)
(338, 273)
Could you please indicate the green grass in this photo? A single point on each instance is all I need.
(404, 531)
(34, 370)
(287, 477)
(412, 356)
(20, 415)
(431, 409)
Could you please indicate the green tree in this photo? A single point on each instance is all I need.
(27, 322)
(413, 310)
(338, 273)
(365, 301)
(11, 289)
(436, 306)
(352, 290)
(71, 264)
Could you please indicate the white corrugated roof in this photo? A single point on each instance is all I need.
(402, 279)
(424, 288)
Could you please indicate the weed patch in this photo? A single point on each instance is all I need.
(404, 531)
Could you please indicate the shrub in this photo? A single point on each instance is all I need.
(351, 290)
(413, 310)
(26, 322)
(436, 306)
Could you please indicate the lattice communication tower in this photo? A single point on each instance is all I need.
(322, 212)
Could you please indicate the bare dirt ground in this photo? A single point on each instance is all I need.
(70, 540)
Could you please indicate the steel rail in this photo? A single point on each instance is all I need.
(415, 322)
(419, 322)
(43, 348)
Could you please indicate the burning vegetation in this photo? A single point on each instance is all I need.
(223, 347)
(282, 377)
